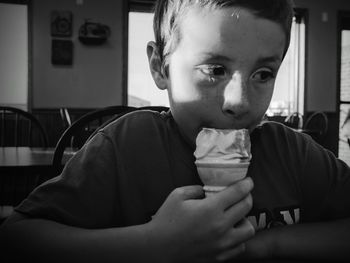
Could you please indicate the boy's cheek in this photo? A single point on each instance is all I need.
(185, 91)
(183, 96)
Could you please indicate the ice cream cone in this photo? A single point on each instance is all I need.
(222, 157)
(217, 176)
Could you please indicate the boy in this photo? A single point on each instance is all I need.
(133, 194)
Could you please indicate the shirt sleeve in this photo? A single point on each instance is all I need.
(85, 194)
(325, 184)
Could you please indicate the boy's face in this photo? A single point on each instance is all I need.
(222, 73)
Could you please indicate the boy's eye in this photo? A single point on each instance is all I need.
(212, 71)
(263, 75)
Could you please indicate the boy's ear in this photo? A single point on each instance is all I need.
(155, 65)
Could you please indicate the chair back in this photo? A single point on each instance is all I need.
(87, 126)
(317, 121)
(81, 129)
(65, 117)
(294, 120)
(21, 128)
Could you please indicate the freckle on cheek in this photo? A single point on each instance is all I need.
(211, 96)
(204, 96)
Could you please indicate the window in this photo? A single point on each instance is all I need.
(288, 94)
(142, 90)
(344, 100)
(289, 89)
(14, 55)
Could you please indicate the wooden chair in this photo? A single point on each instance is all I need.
(87, 125)
(318, 123)
(65, 117)
(21, 128)
(18, 128)
(294, 120)
(81, 129)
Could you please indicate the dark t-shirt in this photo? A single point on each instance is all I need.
(125, 172)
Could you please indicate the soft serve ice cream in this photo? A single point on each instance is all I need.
(222, 157)
(221, 146)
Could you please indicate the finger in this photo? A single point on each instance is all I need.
(237, 235)
(238, 211)
(233, 193)
(231, 253)
(189, 192)
(244, 230)
(235, 238)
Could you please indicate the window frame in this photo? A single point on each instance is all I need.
(28, 3)
(303, 13)
(130, 6)
(341, 25)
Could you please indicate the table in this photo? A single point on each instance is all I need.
(24, 168)
(19, 157)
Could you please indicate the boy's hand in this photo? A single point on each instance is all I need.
(192, 229)
(260, 246)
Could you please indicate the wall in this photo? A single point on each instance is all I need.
(95, 78)
(321, 85)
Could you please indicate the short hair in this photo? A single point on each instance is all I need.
(168, 14)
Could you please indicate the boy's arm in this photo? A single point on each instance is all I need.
(185, 228)
(41, 240)
(326, 240)
(318, 241)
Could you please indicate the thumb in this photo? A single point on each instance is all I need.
(190, 192)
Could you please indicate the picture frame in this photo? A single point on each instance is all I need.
(62, 52)
(61, 23)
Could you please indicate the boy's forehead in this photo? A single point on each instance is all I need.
(207, 31)
(224, 18)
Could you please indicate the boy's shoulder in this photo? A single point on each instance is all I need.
(276, 127)
(142, 117)
(137, 122)
(268, 126)
(278, 132)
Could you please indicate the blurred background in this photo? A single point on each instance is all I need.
(82, 55)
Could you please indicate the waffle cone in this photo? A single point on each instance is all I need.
(217, 176)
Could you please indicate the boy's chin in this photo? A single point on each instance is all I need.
(233, 126)
(227, 127)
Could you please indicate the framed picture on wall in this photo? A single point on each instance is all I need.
(61, 23)
(62, 52)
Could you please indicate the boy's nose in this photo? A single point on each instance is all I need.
(235, 95)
